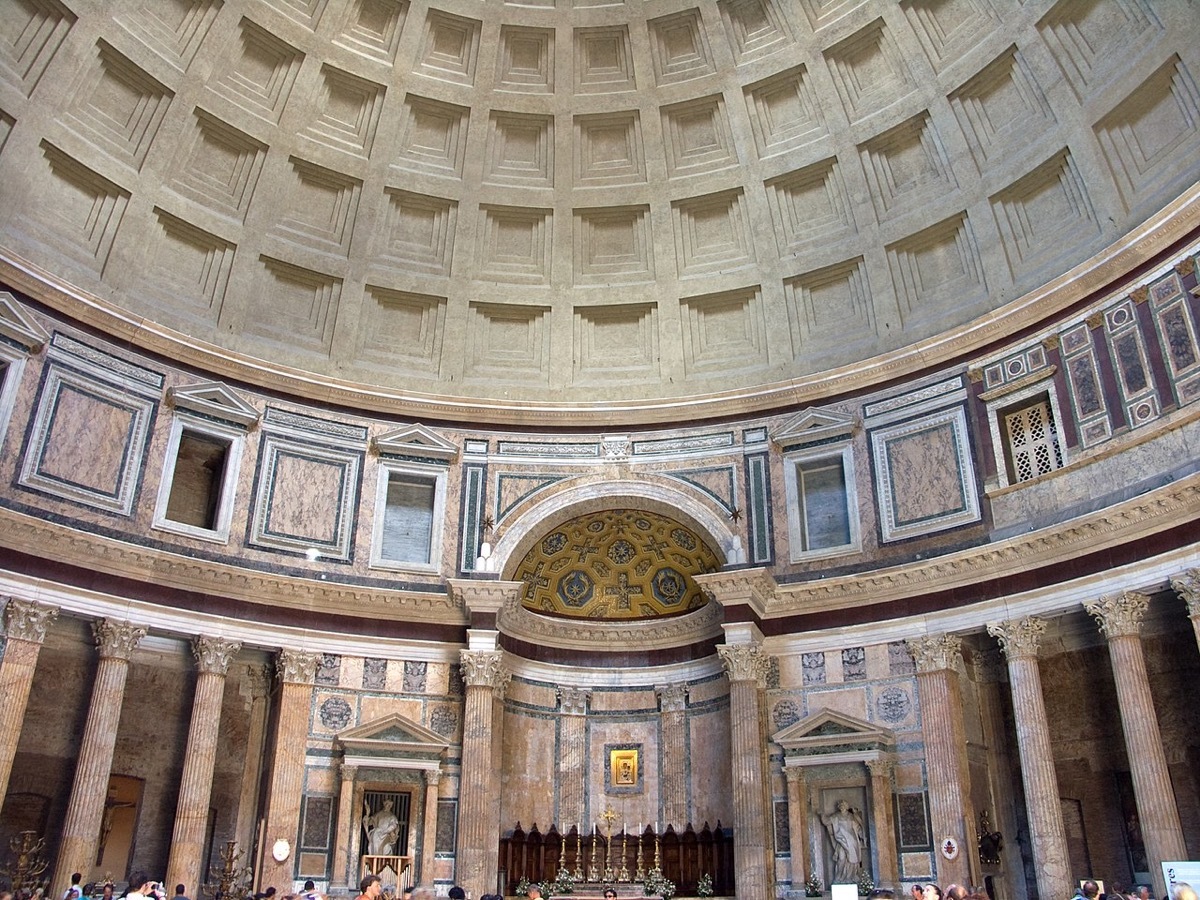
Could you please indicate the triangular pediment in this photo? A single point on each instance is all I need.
(18, 326)
(215, 401)
(829, 731)
(392, 737)
(416, 440)
(814, 425)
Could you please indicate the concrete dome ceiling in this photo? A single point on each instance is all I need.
(579, 204)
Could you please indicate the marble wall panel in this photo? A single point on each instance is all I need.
(321, 780)
(372, 708)
(851, 701)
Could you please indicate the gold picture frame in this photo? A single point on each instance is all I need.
(623, 766)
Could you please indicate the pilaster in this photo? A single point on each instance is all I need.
(433, 779)
(478, 817)
(572, 761)
(672, 701)
(883, 773)
(797, 793)
(342, 877)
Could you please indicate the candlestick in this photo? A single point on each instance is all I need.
(578, 853)
(641, 864)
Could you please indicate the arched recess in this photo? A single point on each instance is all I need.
(669, 498)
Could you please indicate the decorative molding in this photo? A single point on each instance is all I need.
(1187, 586)
(215, 401)
(484, 668)
(573, 701)
(1019, 638)
(745, 662)
(116, 639)
(1119, 616)
(27, 620)
(671, 697)
(934, 653)
(297, 666)
(415, 440)
(755, 587)
(19, 327)
(213, 655)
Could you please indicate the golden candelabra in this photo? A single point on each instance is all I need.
(641, 864)
(27, 864)
(578, 853)
(232, 881)
(623, 872)
(593, 869)
(608, 817)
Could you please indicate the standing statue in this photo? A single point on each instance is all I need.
(846, 834)
(383, 828)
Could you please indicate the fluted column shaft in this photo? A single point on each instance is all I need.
(259, 680)
(85, 810)
(882, 773)
(951, 812)
(1188, 586)
(433, 778)
(1047, 835)
(797, 791)
(296, 671)
(1120, 619)
(199, 760)
(345, 814)
(25, 624)
(673, 703)
(572, 760)
(746, 667)
(478, 823)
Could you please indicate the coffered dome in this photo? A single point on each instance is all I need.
(548, 208)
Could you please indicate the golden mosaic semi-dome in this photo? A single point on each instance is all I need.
(509, 211)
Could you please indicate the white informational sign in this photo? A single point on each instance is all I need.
(843, 892)
(1185, 871)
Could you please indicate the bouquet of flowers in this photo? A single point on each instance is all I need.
(813, 887)
(704, 887)
(657, 883)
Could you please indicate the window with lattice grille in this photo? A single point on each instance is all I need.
(1031, 440)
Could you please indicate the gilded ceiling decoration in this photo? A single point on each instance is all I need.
(616, 564)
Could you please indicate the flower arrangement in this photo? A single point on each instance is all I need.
(563, 883)
(866, 883)
(814, 887)
(657, 883)
(704, 887)
(524, 885)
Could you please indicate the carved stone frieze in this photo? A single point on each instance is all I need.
(935, 652)
(117, 639)
(484, 668)
(573, 701)
(1119, 616)
(297, 666)
(745, 662)
(753, 586)
(672, 697)
(214, 654)
(1187, 586)
(1019, 638)
(27, 620)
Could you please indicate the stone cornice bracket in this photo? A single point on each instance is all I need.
(213, 655)
(933, 653)
(573, 701)
(1187, 586)
(117, 639)
(297, 666)
(1019, 638)
(671, 697)
(745, 662)
(483, 596)
(27, 620)
(735, 587)
(484, 668)
(1121, 615)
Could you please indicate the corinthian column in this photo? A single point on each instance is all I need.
(950, 809)
(1019, 639)
(572, 760)
(25, 624)
(85, 811)
(429, 830)
(746, 666)
(296, 670)
(478, 819)
(672, 701)
(1188, 587)
(797, 791)
(1120, 619)
(195, 786)
(882, 775)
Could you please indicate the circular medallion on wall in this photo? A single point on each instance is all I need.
(949, 848)
(335, 713)
(893, 705)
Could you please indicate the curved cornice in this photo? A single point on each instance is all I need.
(1104, 272)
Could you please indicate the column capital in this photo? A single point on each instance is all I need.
(117, 639)
(934, 652)
(795, 775)
(744, 662)
(484, 668)
(258, 677)
(433, 776)
(1019, 638)
(1187, 586)
(27, 620)
(1121, 615)
(348, 771)
(671, 697)
(881, 767)
(297, 666)
(213, 655)
(573, 701)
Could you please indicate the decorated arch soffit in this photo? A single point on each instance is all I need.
(615, 565)
(391, 742)
(827, 737)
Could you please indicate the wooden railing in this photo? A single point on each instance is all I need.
(685, 856)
